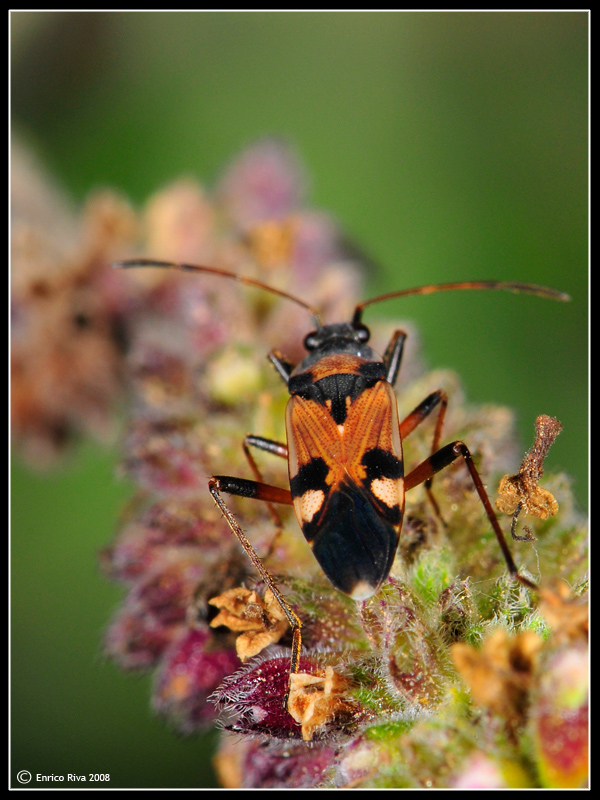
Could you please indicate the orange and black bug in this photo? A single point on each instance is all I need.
(347, 478)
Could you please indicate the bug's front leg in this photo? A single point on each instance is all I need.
(443, 458)
(392, 358)
(282, 365)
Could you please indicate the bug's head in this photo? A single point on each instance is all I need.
(341, 337)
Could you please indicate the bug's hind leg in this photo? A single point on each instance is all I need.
(272, 494)
(443, 458)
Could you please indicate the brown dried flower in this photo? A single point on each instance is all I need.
(500, 673)
(566, 614)
(521, 493)
(262, 622)
(316, 699)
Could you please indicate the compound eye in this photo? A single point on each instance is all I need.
(311, 341)
(363, 334)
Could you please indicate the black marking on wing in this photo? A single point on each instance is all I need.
(310, 477)
(381, 463)
(354, 544)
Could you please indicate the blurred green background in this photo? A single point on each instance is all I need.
(449, 146)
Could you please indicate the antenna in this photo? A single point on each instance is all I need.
(149, 262)
(509, 286)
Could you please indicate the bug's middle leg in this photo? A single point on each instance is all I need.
(392, 360)
(277, 449)
(435, 400)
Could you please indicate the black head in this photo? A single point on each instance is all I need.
(329, 337)
(340, 338)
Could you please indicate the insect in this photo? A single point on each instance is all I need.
(347, 479)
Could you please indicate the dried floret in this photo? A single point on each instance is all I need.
(315, 700)
(259, 622)
(501, 673)
(521, 493)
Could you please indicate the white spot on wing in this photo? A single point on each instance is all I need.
(386, 490)
(310, 503)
